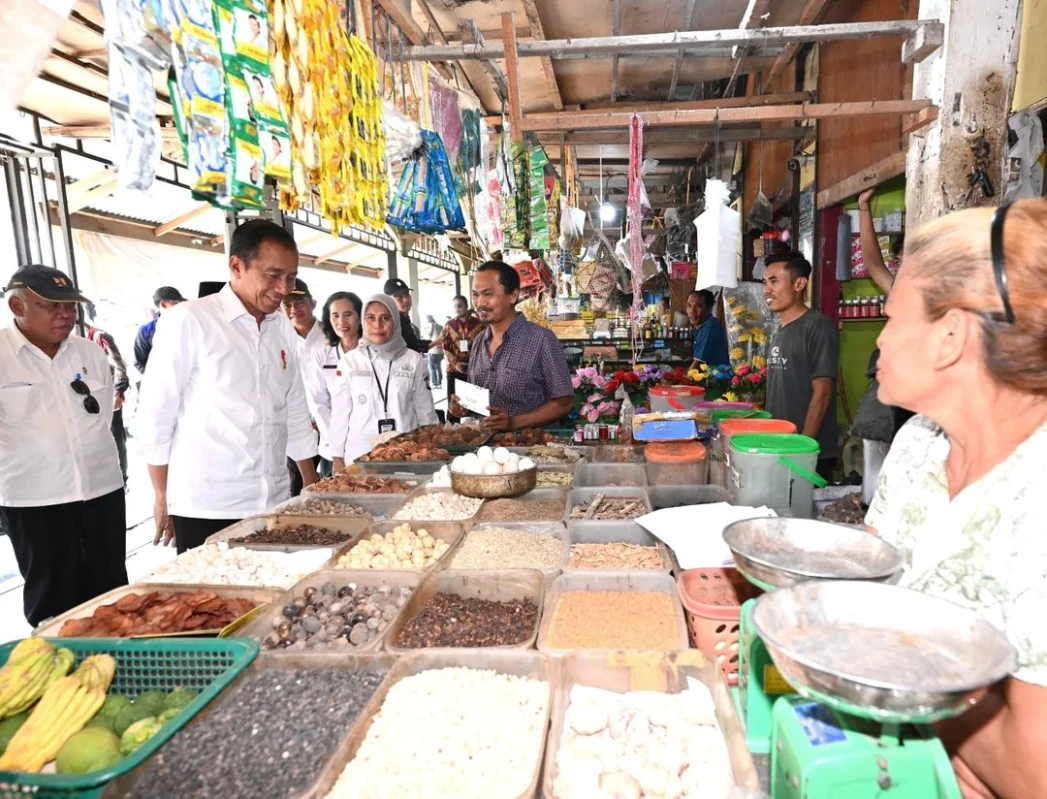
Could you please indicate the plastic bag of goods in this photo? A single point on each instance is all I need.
(402, 135)
(572, 226)
(719, 230)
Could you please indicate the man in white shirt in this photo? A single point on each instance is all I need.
(61, 493)
(299, 306)
(223, 404)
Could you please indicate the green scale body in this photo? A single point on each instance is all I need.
(759, 684)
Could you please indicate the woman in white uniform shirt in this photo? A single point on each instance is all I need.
(380, 387)
(341, 324)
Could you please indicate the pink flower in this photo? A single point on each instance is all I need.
(576, 382)
(593, 415)
(586, 408)
(755, 378)
(595, 397)
(736, 381)
(742, 370)
(599, 381)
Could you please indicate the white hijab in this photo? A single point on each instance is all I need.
(395, 346)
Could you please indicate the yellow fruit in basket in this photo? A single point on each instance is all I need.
(88, 750)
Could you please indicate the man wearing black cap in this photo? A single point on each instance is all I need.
(401, 294)
(61, 492)
(163, 298)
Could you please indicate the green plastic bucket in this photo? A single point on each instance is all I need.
(773, 469)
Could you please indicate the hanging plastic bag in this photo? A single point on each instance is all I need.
(572, 226)
(425, 200)
(719, 231)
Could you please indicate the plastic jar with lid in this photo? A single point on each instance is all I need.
(676, 463)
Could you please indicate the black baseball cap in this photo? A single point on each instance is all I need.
(167, 294)
(394, 286)
(300, 288)
(46, 283)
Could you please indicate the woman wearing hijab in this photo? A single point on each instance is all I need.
(380, 387)
(341, 324)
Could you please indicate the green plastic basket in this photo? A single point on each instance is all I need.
(164, 664)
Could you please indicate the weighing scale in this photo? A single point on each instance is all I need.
(843, 674)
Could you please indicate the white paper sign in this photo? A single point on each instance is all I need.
(473, 398)
(695, 532)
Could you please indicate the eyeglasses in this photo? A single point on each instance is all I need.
(999, 268)
(90, 403)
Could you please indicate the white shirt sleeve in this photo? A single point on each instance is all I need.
(422, 396)
(316, 393)
(341, 410)
(301, 438)
(170, 367)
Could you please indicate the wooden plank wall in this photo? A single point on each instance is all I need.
(861, 70)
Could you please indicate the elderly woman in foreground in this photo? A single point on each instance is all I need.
(961, 492)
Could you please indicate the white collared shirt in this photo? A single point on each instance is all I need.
(319, 373)
(53, 451)
(356, 404)
(314, 340)
(223, 406)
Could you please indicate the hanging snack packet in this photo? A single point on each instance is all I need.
(276, 147)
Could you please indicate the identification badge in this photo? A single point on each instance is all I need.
(463, 345)
(386, 426)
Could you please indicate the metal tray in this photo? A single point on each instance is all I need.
(879, 651)
(571, 470)
(375, 504)
(395, 468)
(597, 533)
(521, 663)
(390, 516)
(773, 553)
(580, 495)
(609, 581)
(270, 661)
(353, 526)
(262, 625)
(451, 532)
(678, 496)
(648, 671)
(555, 529)
(537, 495)
(500, 586)
(611, 475)
(585, 452)
(390, 474)
(263, 596)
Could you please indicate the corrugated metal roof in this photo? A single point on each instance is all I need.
(162, 203)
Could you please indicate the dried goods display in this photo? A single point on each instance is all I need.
(522, 510)
(442, 479)
(220, 564)
(614, 556)
(439, 506)
(455, 621)
(506, 548)
(328, 82)
(159, 613)
(400, 451)
(845, 510)
(323, 506)
(553, 453)
(548, 478)
(618, 454)
(306, 535)
(332, 616)
(613, 620)
(361, 484)
(489, 461)
(67, 704)
(490, 728)
(444, 436)
(400, 548)
(642, 744)
(530, 437)
(294, 721)
(604, 508)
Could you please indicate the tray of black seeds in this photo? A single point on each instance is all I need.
(499, 609)
(334, 611)
(289, 532)
(275, 732)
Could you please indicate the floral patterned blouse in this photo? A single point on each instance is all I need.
(986, 548)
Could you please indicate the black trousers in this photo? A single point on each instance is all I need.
(68, 553)
(452, 377)
(191, 533)
(120, 437)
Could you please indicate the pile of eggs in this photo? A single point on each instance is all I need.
(489, 461)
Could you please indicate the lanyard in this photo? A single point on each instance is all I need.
(384, 394)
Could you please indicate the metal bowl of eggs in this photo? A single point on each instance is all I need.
(493, 473)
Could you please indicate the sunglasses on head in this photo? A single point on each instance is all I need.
(90, 403)
(999, 268)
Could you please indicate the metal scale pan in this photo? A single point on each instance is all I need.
(774, 553)
(881, 652)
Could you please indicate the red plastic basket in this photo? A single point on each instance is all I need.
(712, 601)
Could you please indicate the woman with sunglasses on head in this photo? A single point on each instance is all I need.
(381, 387)
(341, 324)
(965, 347)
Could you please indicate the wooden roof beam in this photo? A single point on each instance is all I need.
(472, 33)
(812, 11)
(704, 133)
(564, 120)
(435, 28)
(178, 221)
(688, 21)
(697, 42)
(402, 19)
(616, 30)
(97, 132)
(327, 256)
(512, 70)
(752, 18)
(534, 22)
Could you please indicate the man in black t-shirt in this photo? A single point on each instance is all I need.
(803, 360)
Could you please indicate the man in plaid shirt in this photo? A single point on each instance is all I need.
(521, 363)
(456, 340)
